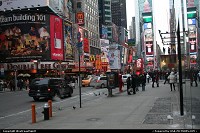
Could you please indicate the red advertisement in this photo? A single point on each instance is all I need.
(149, 48)
(86, 46)
(80, 18)
(193, 45)
(56, 32)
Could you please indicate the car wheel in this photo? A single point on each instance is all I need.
(70, 92)
(36, 98)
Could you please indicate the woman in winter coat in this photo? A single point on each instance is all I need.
(172, 80)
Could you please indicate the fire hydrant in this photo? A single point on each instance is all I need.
(46, 111)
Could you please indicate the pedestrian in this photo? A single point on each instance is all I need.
(134, 80)
(195, 78)
(143, 81)
(172, 80)
(121, 84)
(128, 81)
(166, 78)
(148, 77)
(198, 76)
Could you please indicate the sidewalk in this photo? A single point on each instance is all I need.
(147, 109)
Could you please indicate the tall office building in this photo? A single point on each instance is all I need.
(119, 13)
(105, 19)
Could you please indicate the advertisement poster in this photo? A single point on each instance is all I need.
(149, 48)
(68, 41)
(114, 59)
(24, 36)
(150, 61)
(56, 30)
(192, 31)
(148, 35)
(193, 45)
(193, 59)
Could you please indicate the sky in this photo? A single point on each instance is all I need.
(161, 15)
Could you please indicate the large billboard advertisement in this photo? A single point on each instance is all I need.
(26, 36)
(114, 59)
(56, 31)
(68, 41)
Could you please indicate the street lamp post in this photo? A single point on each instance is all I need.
(79, 45)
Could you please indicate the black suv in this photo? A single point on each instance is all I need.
(49, 87)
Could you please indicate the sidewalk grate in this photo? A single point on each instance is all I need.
(158, 113)
(156, 119)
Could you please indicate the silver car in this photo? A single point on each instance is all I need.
(99, 82)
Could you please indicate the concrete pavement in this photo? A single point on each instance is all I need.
(149, 109)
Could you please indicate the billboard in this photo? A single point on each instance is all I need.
(80, 18)
(26, 36)
(193, 45)
(114, 59)
(192, 30)
(148, 35)
(56, 31)
(149, 48)
(68, 41)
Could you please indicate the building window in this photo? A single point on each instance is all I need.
(78, 4)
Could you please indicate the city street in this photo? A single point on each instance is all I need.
(149, 109)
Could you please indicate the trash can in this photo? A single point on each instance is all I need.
(46, 111)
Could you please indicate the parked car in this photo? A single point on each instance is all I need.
(86, 81)
(99, 82)
(124, 78)
(49, 87)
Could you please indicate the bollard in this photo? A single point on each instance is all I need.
(50, 108)
(33, 113)
(46, 111)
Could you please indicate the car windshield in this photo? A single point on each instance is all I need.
(95, 78)
(86, 78)
(124, 76)
(40, 81)
(55, 81)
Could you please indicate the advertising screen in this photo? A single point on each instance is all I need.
(56, 31)
(24, 36)
(149, 48)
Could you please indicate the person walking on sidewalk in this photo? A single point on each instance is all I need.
(134, 80)
(121, 84)
(198, 76)
(128, 83)
(172, 80)
(166, 78)
(148, 77)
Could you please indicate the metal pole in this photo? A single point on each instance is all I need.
(79, 74)
(180, 70)
(15, 79)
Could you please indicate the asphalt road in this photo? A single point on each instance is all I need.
(16, 106)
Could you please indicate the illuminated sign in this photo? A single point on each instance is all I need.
(80, 18)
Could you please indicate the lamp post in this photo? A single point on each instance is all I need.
(79, 45)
